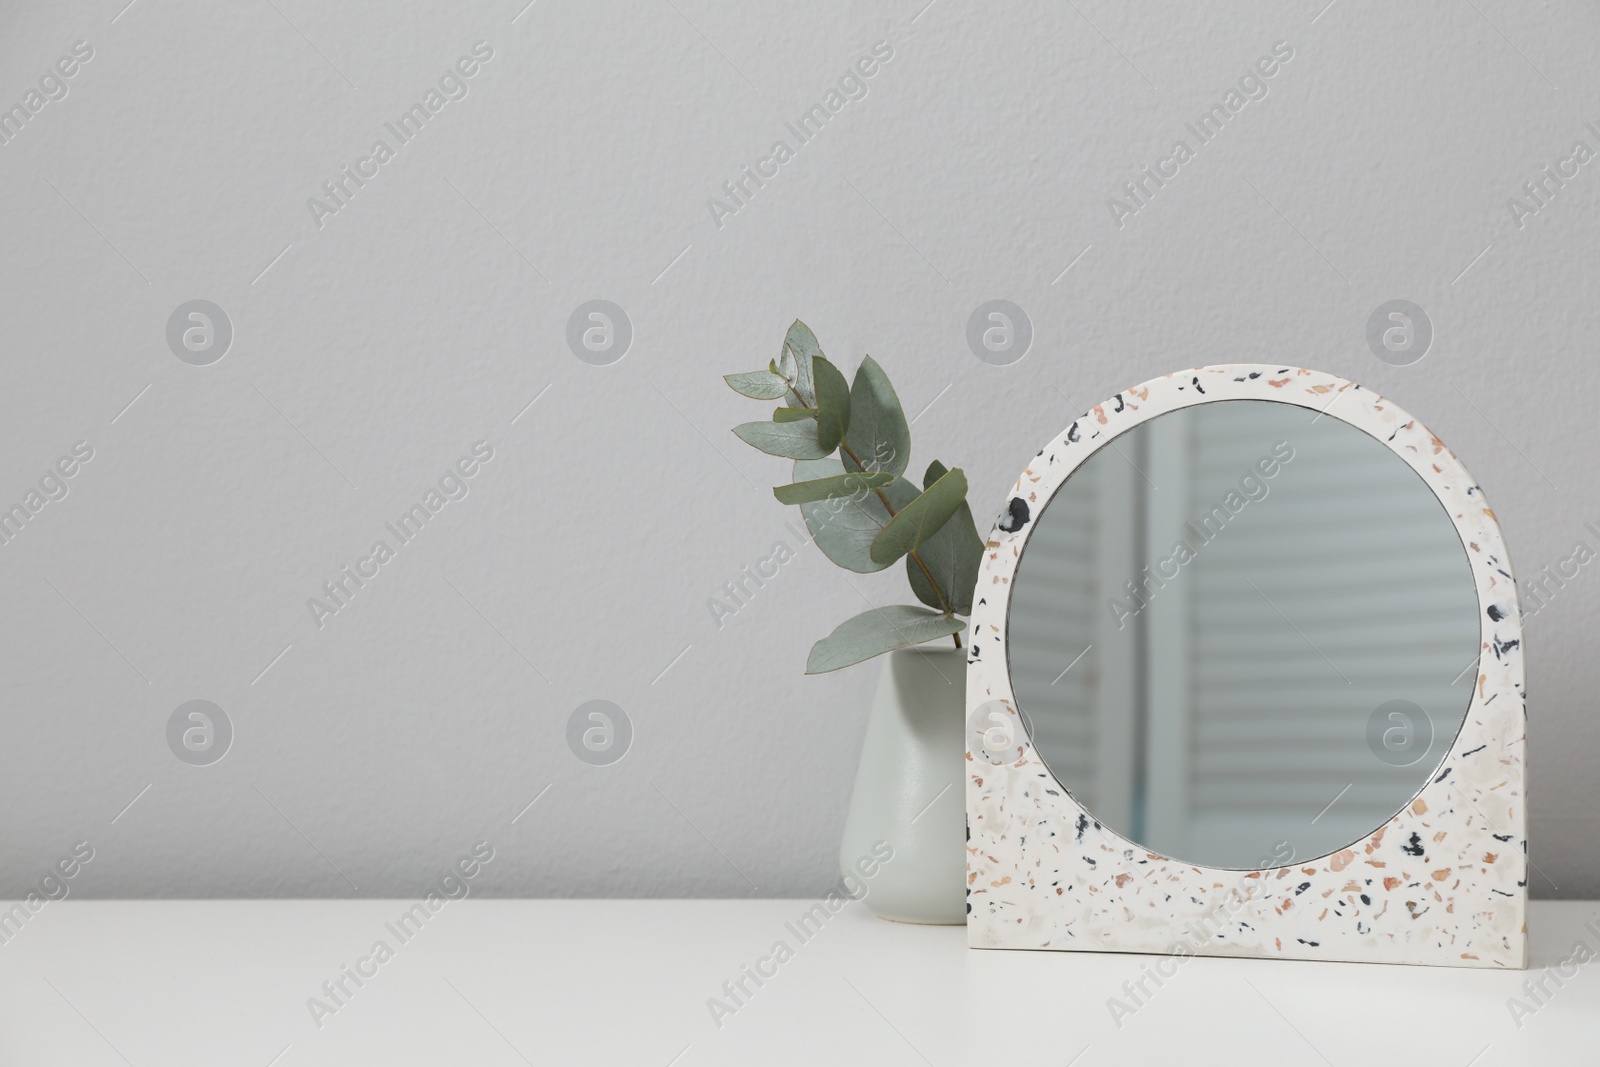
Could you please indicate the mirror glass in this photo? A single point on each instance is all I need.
(1242, 634)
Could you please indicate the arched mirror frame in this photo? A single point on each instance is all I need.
(1443, 882)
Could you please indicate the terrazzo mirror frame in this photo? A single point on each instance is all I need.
(1444, 881)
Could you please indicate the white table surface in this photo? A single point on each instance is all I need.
(627, 982)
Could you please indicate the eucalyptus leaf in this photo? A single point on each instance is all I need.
(799, 348)
(920, 519)
(792, 440)
(832, 487)
(793, 414)
(878, 433)
(758, 384)
(845, 527)
(952, 556)
(877, 631)
(833, 403)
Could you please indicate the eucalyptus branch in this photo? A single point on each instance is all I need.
(932, 528)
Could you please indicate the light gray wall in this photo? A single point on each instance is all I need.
(430, 310)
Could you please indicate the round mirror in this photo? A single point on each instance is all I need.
(1242, 634)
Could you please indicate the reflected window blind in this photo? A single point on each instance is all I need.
(1255, 724)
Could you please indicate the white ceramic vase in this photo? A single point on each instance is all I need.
(908, 793)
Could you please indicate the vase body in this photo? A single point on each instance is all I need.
(908, 802)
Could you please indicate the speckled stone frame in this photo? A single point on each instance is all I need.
(1443, 882)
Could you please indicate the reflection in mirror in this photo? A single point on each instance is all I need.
(1242, 634)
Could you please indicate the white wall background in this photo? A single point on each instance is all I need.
(431, 310)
